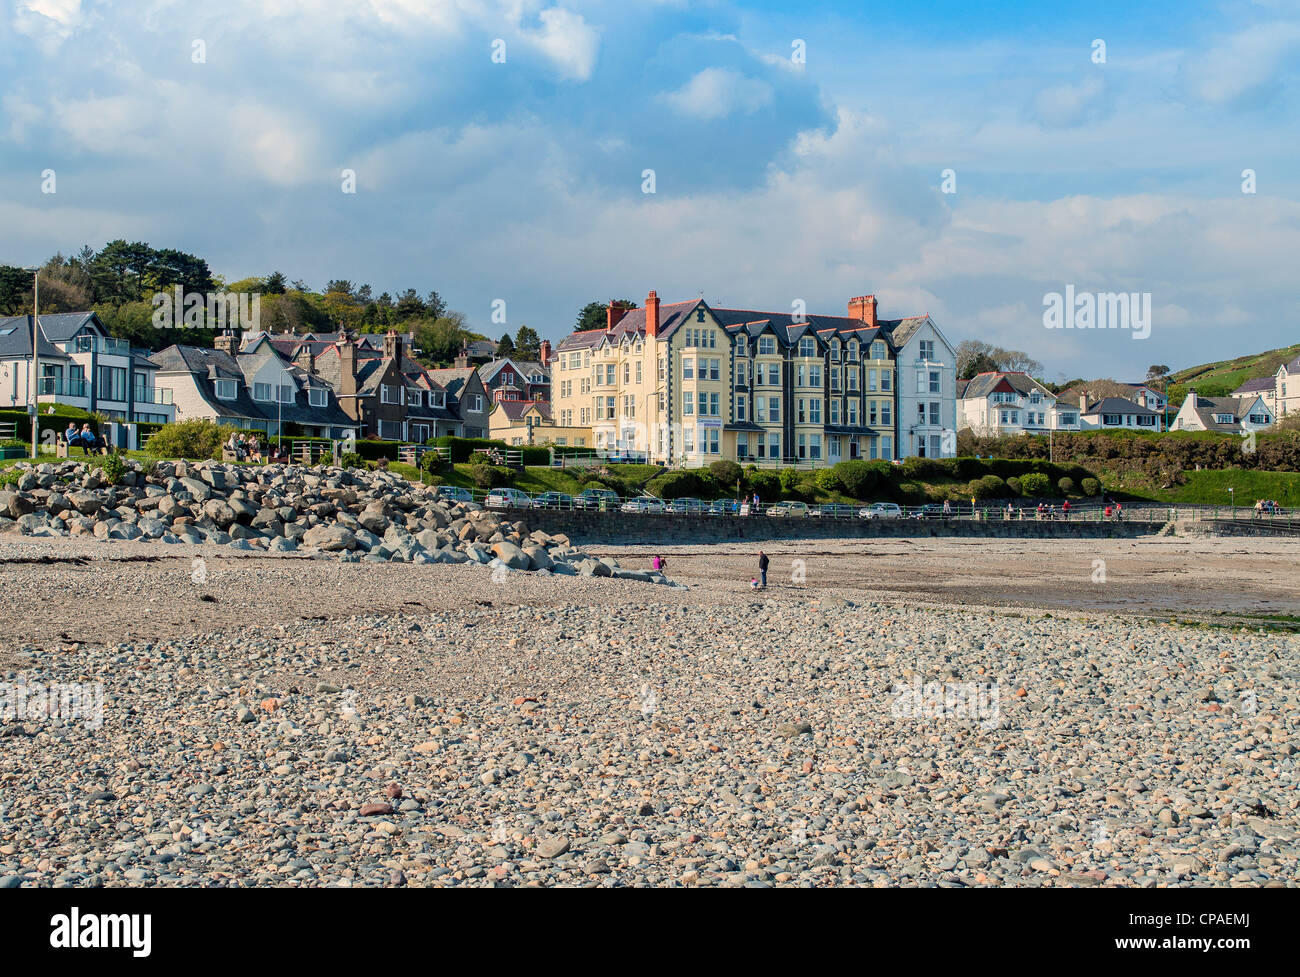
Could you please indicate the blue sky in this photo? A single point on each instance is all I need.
(774, 181)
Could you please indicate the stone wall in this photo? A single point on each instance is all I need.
(606, 528)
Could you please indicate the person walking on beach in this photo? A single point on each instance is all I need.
(762, 570)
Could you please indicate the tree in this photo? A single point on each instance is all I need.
(506, 346)
(527, 343)
(1158, 375)
(15, 289)
(593, 314)
(975, 356)
(274, 284)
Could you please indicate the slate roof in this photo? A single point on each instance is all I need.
(16, 339)
(1257, 385)
(983, 384)
(783, 325)
(62, 326)
(209, 365)
(515, 409)
(1118, 405)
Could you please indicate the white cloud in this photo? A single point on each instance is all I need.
(567, 40)
(716, 93)
(1069, 105)
(1243, 67)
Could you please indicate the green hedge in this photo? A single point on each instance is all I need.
(535, 456)
(462, 448)
(56, 422)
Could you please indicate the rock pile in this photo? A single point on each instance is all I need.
(355, 515)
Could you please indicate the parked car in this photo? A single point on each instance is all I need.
(454, 493)
(788, 509)
(643, 503)
(507, 498)
(835, 510)
(593, 498)
(684, 505)
(881, 510)
(553, 500)
(724, 507)
(928, 511)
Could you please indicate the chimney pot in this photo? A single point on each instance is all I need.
(863, 308)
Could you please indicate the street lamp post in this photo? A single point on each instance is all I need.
(36, 357)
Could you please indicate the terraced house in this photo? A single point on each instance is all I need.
(687, 383)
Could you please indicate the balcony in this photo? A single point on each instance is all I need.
(93, 344)
(153, 396)
(58, 387)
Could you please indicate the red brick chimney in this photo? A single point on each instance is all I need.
(545, 352)
(612, 314)
(651, 315)
(863, 308)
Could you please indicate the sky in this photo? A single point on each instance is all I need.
(965, 160)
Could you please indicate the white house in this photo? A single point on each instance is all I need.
(1117, 413)
(1280, 392)
(926, 388)
(1232, 415)
(82, 366)
(1008, 403)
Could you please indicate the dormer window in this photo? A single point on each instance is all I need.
(317, 397)
(767, 346)
(877, 350)
(226, 390)
(835, 350)
(853, 349)
(807, 346)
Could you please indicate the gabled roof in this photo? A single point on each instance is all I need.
(516, 409)
(16, 339)
(1118, 405)
(984, 384)
(785, 326)
(62, 326)
(453, 379)
(209, 365)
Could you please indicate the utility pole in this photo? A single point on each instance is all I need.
(36, 359)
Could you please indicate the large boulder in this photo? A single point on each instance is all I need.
(219, 512)
(511, 555)
(14, 504)
(329, 538)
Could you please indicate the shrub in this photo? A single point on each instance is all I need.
(433, 463)
(727, 474)
(767, 484)
(859, 477)
(491, 476)
(828, 480)
(1065, 486)
(11, 476)
(1090, 486)
(989, 487)
(1035, 484)
(113, 469)
(462, 448)
(680, 484)
(910, 492)
(535, 456)
(1014, 485)
(350, 459)
(195, 438)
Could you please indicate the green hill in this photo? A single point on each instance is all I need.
(1222, 378)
